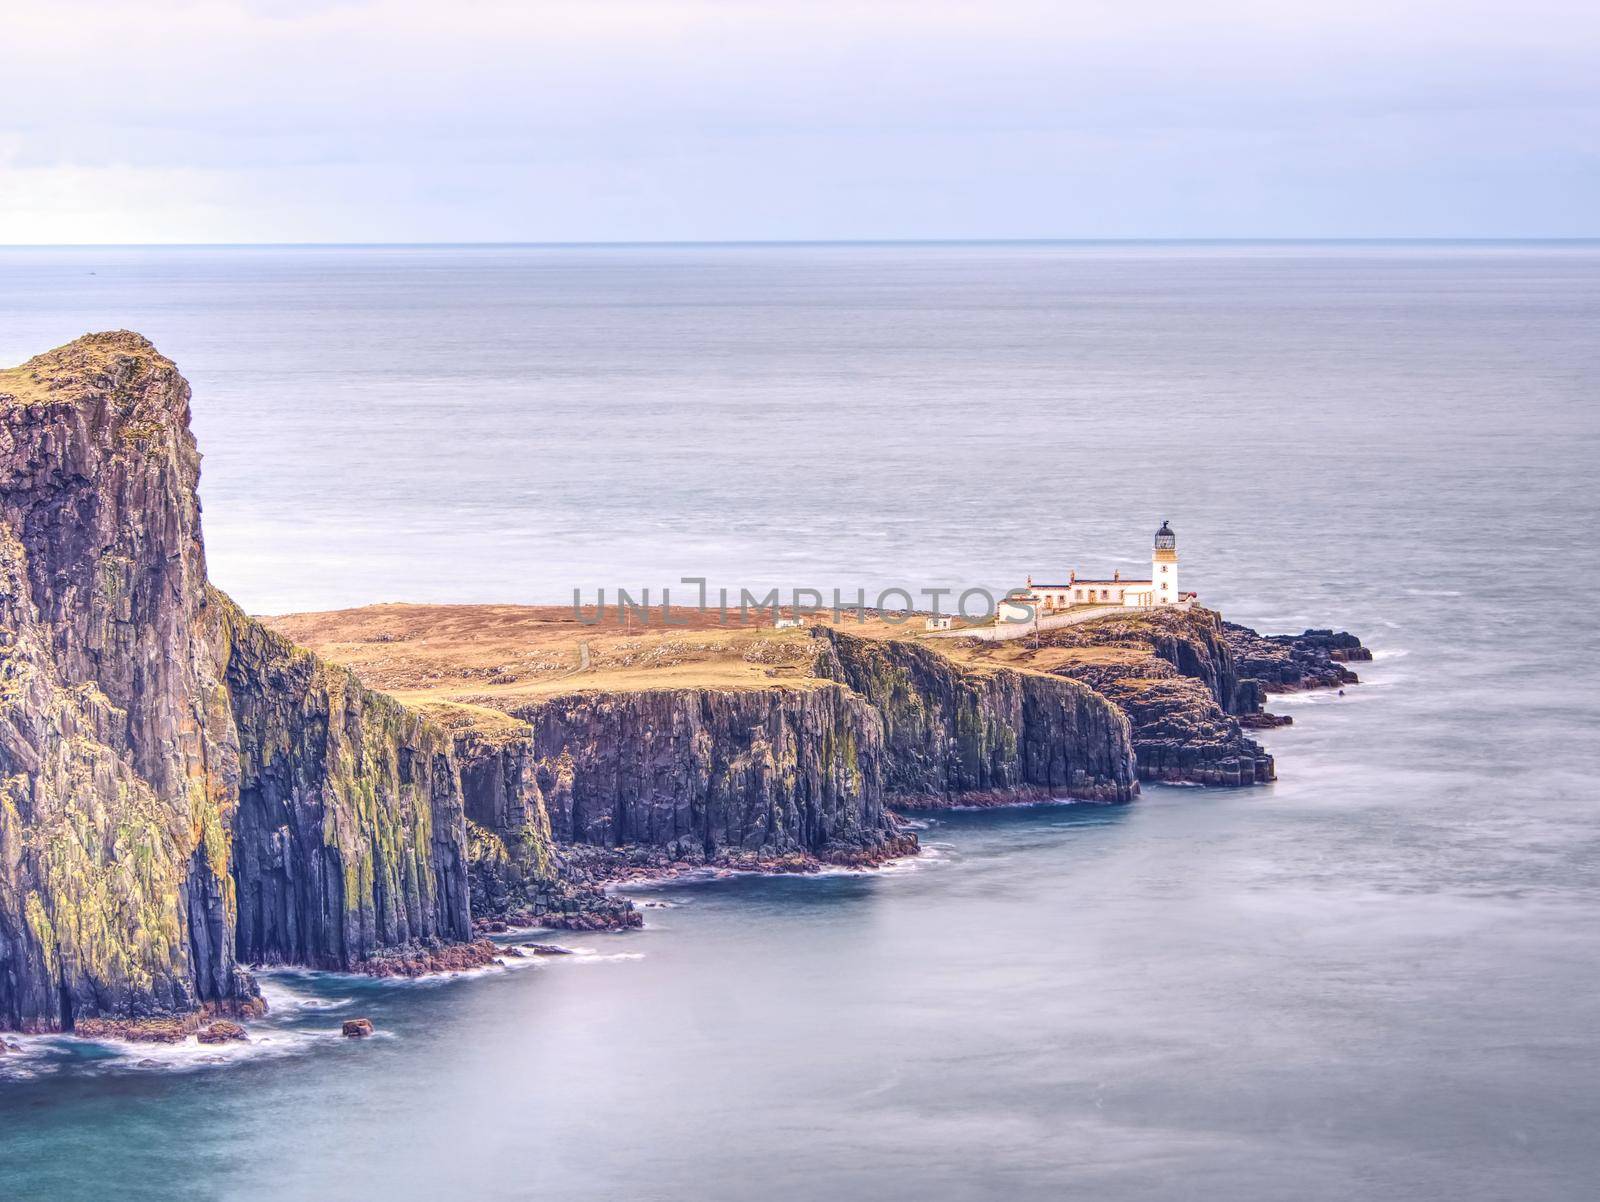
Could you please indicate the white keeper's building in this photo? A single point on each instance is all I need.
(1160, 589)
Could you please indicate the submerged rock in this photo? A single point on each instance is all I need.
(136, 1030)
(356, 1028)
(595, 920)
(221, 1031)
(445, 958)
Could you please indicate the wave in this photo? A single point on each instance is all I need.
(28, 1056)
(929, 855)
(42, 1055)
(192, 1055)
(282, 1000)
(588, 955)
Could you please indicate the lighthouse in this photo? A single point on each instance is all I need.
(1048, 601)
(1164, 566)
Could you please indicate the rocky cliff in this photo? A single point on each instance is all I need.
(952, 735)
(1173, 673)
(774, 777)
(1192, 684)
(702, 771)
(349, 834)
(784, 776)
(517, 870)
(180, 789)
(1180, 733)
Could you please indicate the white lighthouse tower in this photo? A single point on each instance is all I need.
(1164, 566)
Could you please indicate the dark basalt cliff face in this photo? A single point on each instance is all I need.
(582, 788)
(1200, 682)
(516, 869)
(1180, 733)
(1183, 694)
(180, 789)
(349, 839)
(115, 740)
(953, 735)
(698, 771)
(781, 777)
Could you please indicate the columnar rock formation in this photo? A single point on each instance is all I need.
(179, 788)
(693, 776)
(349, 832)
(953, 734)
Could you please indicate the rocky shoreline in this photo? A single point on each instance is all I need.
(642, 865)
(425, 962)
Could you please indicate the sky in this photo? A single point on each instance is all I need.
(619, 120)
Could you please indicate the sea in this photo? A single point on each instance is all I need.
(1378, 978)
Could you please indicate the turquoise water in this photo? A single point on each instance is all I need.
(1375, 979)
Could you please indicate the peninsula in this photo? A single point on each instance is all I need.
(187, 792)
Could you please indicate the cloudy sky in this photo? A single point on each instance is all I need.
(550, 120)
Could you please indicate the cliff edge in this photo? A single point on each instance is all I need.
(735, 744)
(181, 790)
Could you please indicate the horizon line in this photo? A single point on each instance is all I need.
(800, 242)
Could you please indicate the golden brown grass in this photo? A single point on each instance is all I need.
(498, 656)
(469, 664)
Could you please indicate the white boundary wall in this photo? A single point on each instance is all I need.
(999, 632)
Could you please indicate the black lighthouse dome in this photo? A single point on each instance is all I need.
(1165, 539)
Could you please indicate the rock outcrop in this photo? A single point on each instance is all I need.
(1180, 733)
(1286, 663)
(181, 791)
(699, 770)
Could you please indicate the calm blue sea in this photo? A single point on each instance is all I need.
(1377, 979)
